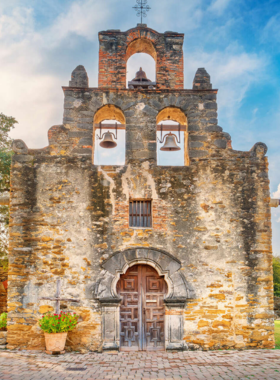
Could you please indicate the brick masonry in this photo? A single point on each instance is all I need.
(68, 216)
(233, 365)
(117, 47)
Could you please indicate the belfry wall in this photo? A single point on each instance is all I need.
(210, 235)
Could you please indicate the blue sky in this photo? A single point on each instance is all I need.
(237, 41)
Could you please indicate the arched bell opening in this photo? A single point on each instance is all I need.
(142, 310)
(141, 59)
(109, 136)
(172, 137)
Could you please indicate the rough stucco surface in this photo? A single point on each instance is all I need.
(68, 216)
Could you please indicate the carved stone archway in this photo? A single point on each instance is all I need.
(179, 291)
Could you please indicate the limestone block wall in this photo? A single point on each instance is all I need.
(68, 216)
(213, 215)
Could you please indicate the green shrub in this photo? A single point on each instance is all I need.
(3, 320)
(58, 323)
(276, 276)
(277, 290)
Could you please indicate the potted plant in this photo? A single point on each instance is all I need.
(3, 322)
(56, 327)
(3, 329)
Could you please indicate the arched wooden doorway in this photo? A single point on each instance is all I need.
(142, 309)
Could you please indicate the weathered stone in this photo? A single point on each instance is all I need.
(196, 144)
(210, 105)
(86, 141)
(202, 80)
(198, 138)
(79, 134)
(79, 77)
(45, 309)
(259, 150)
(220, 143)
(150, 111)
(214, 128)
(19, 147)
(197, 153)
(209, 237)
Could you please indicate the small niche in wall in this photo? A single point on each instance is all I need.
(171, 158)
(112, 156)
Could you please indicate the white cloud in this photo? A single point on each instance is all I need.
(176, 15)
(16, 25)
(84, 18)
(271, 32)
(26, 93)
(232, 72)
(31, 91)
(276, 194)
(219, 6)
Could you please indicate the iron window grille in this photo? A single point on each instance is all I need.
(140, 214)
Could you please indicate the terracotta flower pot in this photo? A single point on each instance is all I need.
(55, 342)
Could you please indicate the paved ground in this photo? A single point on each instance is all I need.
(21, 365)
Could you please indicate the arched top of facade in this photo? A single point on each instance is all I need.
(109, 112)
(116, 47)
(141, 45)
(165, 264)
(132, 31)
(172, 113)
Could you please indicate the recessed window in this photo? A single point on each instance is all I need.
(140, 214)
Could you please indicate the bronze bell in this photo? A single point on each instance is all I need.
(170, 144)
(108, 141)
(140, 75)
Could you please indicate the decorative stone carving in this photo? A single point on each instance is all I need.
(165, 264)
(179, 290)
(259, 150)
(19, 147)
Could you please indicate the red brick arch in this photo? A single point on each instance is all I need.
(117, 47)
(141, 45)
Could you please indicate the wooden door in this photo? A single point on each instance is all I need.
(142, 309)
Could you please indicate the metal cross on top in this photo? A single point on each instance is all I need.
(57, 298)
(142, 8)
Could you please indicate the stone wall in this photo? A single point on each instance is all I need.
(68, 216)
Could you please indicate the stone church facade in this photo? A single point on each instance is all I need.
(196, 271)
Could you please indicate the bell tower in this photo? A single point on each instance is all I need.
(116, 47)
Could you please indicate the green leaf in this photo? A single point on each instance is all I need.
(6, 124)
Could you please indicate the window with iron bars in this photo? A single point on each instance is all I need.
(140, 214)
